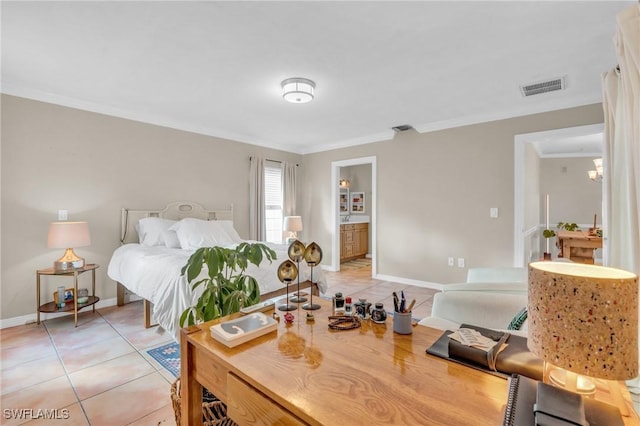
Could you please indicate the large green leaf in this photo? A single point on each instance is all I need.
(226, 288)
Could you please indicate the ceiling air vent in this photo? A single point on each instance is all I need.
(543, 87)
(402, 128)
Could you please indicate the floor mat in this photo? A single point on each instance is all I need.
(168, 356)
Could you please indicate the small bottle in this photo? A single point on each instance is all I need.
(378, 313)
(362, 308)
(338, 301)
(60, 297)
(347, 306)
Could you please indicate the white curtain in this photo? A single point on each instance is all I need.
(256, 200)
(289, 189)
(621, 104)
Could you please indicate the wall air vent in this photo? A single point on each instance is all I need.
(543, 86)
(401, 128)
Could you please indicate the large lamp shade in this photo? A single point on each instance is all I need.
(584, 318)
(292, 224)
(68, 235)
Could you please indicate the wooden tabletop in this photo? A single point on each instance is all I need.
(52, 271)
(577, 235)
(368, 375)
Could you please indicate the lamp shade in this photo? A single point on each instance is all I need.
(584, 318)
(293, 223)
(68, 235)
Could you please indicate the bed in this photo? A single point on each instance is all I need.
(149, 261)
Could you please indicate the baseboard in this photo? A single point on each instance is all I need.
(31, 318)
(409, 281)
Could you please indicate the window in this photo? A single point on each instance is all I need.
(273, 201)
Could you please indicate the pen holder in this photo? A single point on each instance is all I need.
(402, 323)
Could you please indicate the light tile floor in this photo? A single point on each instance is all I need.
(100, 373)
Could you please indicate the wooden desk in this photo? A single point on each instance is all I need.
(309, 374)
(578, 246)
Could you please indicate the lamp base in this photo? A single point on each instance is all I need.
(287, 307)
(68, 261)
(568, 380)
(310, 306)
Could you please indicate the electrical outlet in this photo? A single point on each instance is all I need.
(63, 215)
(450, 260)
(461, 262)
(493, 212)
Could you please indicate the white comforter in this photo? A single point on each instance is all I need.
(153, 273)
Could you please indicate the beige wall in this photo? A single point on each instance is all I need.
(93, 165)
(434, 189)
(434, 194)
(573, 197)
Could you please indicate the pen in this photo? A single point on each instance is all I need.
(413, 302)
(402, 301)
(395, 301)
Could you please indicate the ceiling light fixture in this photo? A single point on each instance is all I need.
(298, 90)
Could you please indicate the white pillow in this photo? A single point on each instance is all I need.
(231, 232)
(151, 230)
(170, 238)
(196, 233)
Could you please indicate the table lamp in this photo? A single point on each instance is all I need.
(68, 235)
(583, 323)
(293, 224)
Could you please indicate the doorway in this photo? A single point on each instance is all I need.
(527, 198)
(370, 207)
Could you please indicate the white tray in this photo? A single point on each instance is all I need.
(237, 331)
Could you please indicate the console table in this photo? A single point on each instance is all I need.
(578, 246)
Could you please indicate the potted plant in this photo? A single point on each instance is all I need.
(226, 287)
(567, 226)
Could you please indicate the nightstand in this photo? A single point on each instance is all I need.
(69, 306)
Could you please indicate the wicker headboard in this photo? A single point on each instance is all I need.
(176, 211)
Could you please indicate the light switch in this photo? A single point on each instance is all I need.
(63, 215)
(493, 212)
(461, 262)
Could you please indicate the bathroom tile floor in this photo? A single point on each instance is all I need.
(100, 373)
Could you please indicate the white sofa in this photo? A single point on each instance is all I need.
(488, 310)
(490, 298)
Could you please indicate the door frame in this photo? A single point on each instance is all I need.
(335, 239)
(519, 182)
